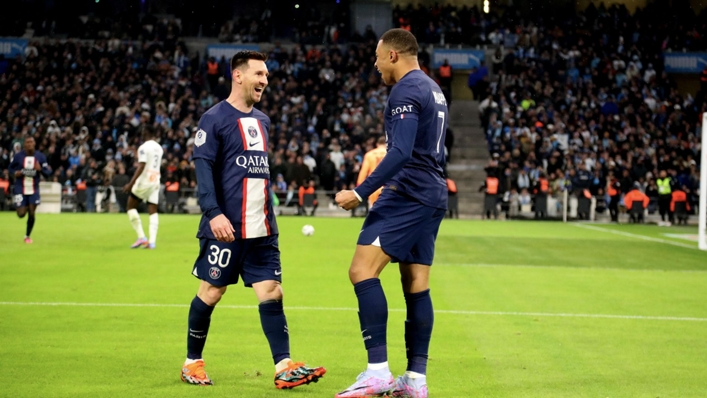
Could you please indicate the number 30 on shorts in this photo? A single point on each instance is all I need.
(219, 256)
(18, 200)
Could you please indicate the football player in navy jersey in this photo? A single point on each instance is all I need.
(403, 223)
(238, 234)
(26, 166)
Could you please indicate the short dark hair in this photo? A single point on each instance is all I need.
(401, 41)
(381, 140)
(241, 58)
(148, 131)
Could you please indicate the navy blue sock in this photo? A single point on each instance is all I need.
(30, 225)
(373, 315)
(199, 321)
(418, 330)
(272, 318)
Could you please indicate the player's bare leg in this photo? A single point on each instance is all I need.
(154, 225)
(199, 320)
(366, 266)
(21, 211)
(136, 223)
(415, 279)
(288, 374)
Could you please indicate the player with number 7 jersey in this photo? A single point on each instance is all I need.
(402, 225)
(238, 234)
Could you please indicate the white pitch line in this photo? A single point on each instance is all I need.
(622, 233)
(566, 267)
(300, 308)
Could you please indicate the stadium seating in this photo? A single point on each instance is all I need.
(560, 93)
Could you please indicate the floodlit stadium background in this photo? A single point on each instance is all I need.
(524, 308)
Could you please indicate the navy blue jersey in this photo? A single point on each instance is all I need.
(416, 120)
(232, 146)
(28, 184)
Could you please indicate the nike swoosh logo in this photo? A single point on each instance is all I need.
(278, 273)
(254, 144)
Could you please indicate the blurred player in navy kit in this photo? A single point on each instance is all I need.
(238, 233)
(26, 166)
(402, 226)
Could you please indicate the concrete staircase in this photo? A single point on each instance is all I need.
(469, 156)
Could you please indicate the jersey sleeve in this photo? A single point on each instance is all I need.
(405, 107)
(206, 140)
(142, 154)
(266, 126)
(46, 169)
(206, 190)
(405, 102)
(15, 165)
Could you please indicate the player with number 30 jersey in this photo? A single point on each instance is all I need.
(238, 236)
(236, 143)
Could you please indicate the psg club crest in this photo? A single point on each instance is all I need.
(252, 132)
(200, 138)
(214, 272)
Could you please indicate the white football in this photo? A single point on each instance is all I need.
(308, 230)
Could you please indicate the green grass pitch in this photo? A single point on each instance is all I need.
(523, 310)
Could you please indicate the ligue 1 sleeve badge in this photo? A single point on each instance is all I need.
(200, 138)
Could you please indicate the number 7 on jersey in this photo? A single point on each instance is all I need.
(440, 115)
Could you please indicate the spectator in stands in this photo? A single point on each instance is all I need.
(280, 186)
(108, 175)
(476, 82)
(511, 203)
(327, 173)
(491, 189)
(120, 180)
(445, 75)
(664, 184)
(299, 172)
(221, 91)
(4, 189)
(633, 198)
(679, 205)
(92, 176)
(523, 181)
(212, 73)
(308, 190)
(524, 198)
(613, 188)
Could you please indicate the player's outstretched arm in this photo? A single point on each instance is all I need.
(220, 225)
(405, 131)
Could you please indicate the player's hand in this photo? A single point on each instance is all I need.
(18, 173)
(222, 228)
(347, 200)
(127, 188)
(37, 166)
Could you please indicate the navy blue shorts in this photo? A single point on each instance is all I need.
(405, 229)
(26, 200)
(255, 260)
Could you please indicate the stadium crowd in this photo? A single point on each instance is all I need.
(86, 104)
(587, 107)
(580, 99)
